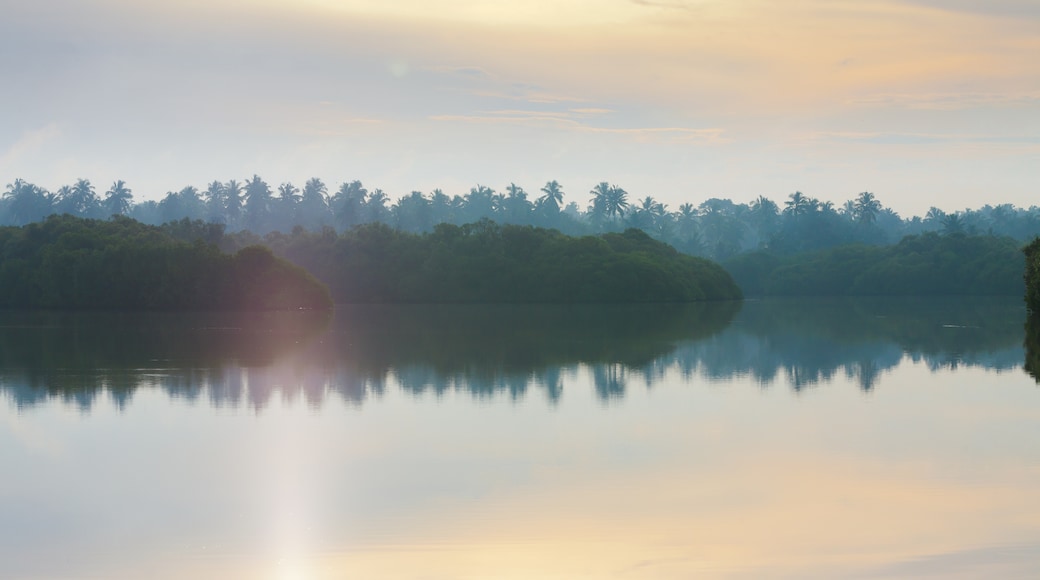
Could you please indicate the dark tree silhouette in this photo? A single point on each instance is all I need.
(118, 199)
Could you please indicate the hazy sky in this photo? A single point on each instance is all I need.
(923, 102)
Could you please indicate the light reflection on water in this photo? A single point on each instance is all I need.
(823, 439)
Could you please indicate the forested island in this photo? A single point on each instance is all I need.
(66, 262)
(703, 225)
(485, 262)
(472, 247)
(77, 263)
(921, 265)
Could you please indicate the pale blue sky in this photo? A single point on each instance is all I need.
(921, 102)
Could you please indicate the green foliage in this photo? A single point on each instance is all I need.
(1032, 275)
(484, 262)
(66, 262)
(926, 264)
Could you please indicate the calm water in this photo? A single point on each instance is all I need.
(773, 439)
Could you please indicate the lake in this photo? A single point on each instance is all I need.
(884, 438)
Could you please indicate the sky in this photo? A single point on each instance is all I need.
(922, 102)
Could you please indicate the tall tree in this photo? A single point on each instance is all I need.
(441, 208)
(118, 199)
(552, 198)
(186, 203)
(286, 207)
(480, 203)
(798, 204)
(412, 213)
(516, 208)
(349, 204)
(609, 201)
(376, 210)
(27, 203)
(216, 202)
(314, 205)
(866, 208)
(258, 202)
(233, 198)
(79, 200)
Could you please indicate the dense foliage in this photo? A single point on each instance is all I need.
(715, 228)
(485, 262)
(1032, 276)
(73, 263)
(927, 264)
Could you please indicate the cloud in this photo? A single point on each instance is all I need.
(1014, 8)
(669, 4)
(907, 138)
(29, 143)
(1012, 561)
(565, 120)
(592, 111)
(947, 101)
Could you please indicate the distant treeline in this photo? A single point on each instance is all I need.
(926, 264)
(485, 262)
(714, 228)
(73, 263)
(66, 262)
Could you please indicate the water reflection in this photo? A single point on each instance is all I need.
(806, 342)
(236, 360)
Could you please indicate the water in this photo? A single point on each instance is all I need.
(773, 439)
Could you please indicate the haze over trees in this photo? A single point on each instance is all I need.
(67, 262)
(715, 227)
(798, 245)
(488, 263)
(927, 264)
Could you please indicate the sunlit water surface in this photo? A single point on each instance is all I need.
(776, 439)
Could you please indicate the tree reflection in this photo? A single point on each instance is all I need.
(486, 351)
(1032, 346)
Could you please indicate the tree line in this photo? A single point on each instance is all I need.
(485, 262)
(67, 262)
(928, 264)
(715, 228)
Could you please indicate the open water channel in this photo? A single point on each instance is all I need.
(894, 438)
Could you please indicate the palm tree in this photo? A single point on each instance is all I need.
(216, 202)
(79, 200)
(934, 217)
(27, 203)
(952, 224)
(723, 233)
(798, 204)
(617, 202)
(553, 197)
(515, 205)
(441, 210)
(258, 201)
(480, 203)
(315, 211)
(375, 207)
(598, 203)
(185, 203)
(412, 213)
(764, 218)
(688, 236)
(866, 208)
(233, 200)
(118, 199)
(348, 203)
(609, 201)
(647, 214)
